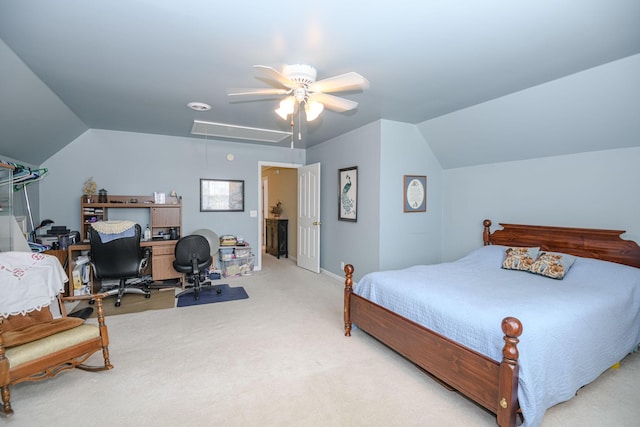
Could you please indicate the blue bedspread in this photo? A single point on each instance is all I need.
(573, 329)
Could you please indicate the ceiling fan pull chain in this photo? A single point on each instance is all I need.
(299, 123)
(292, 131)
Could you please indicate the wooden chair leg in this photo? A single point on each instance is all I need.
(6, 401)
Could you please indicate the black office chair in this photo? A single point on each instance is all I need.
(193, 256)
(122, 259)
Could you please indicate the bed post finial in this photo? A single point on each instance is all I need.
(508, 381)
(487, 232)
(512, 329)
(348, 290)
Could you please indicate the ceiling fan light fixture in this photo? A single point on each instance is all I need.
(281, 113)
(298, 82)
(313, 110)
(286, 107)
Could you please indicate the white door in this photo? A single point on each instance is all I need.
(265, 210)
(309, 217)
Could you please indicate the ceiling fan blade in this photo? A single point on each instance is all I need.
(332, 102)
(248, 91)
(276, 75)
(348, 81)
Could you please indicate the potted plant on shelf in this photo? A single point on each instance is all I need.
(277, 209)
(89, 189)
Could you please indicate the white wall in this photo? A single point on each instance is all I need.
(138, 164)
(592, 190)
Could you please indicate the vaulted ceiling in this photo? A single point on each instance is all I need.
(133, 65)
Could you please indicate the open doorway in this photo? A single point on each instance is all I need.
(277, 182)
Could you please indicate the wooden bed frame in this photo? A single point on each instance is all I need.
(491, 384)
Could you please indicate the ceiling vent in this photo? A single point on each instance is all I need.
(222, 130)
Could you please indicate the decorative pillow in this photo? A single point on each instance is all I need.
(553, 264)
(23, 320)
(516, 258)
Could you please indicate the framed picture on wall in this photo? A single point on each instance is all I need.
(221, 195)
(348, 194)
(415, 193)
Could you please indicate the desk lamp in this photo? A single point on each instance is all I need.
(44, 223)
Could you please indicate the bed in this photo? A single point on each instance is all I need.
(509, 348)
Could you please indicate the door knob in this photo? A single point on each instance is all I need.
(317, 223)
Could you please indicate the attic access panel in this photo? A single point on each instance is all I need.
(222, 130)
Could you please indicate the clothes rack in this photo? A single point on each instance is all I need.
(22, 177)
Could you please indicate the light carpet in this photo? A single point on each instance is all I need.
(278, 358)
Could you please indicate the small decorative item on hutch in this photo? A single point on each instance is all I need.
(159, 198)
(277, 209)
(89, 189)
(102, 196)
(174, 195)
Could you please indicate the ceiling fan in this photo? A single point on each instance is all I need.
(298, 83)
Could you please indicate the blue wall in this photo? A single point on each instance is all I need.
(138, 164)
(592, 190)
(384, 237)
(408, 238)
(597, 188)
(358, 242)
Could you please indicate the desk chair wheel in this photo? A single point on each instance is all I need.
(118, 303)
(92, 301)
(147, 295)
(218, 291)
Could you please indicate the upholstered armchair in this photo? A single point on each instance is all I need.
(37, 339)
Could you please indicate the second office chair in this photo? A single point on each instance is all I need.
(193, 257)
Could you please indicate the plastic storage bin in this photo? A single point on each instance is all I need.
(237, 266)
(242, 252)
(226, 253)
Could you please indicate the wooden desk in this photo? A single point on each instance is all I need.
(162, 256)
(61, 254)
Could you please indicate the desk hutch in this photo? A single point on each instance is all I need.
(162, 218)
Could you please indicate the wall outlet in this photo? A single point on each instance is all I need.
(341, 265)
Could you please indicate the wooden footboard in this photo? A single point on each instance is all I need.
(489, 383)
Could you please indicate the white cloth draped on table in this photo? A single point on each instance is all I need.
(113, 230)
(29, 281)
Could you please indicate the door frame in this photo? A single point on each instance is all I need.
(261, 164)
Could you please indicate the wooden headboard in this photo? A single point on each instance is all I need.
(584, 242)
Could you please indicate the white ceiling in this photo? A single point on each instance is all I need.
(133, 65)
